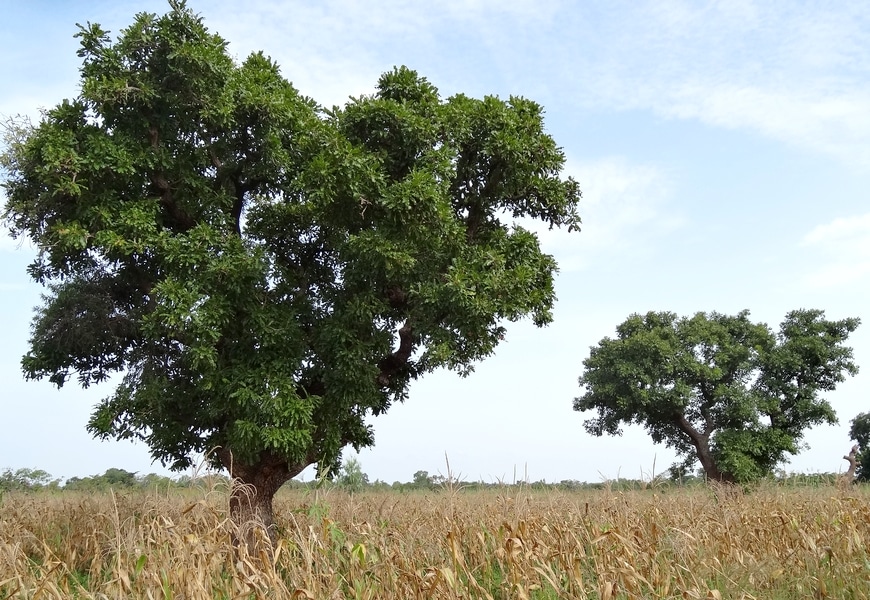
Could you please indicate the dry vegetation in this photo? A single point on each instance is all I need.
(510, 543)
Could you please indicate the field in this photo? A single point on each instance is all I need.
(511, 542)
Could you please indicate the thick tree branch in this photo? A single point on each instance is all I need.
(238, 205)
(179, 217)
(241, 189)
(396, 297)
(701, 442)
(852, 457)
(312, 388)
(392, 364)
(686, 427)
(215, 161)
(708, 421)
(473, 222)
(268, 464)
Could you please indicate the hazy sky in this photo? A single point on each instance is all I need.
(723, 150)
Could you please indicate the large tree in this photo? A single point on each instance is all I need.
(718, 389)
(859, 431)
(264, 273)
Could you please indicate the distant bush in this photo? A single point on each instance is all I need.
(26, 480)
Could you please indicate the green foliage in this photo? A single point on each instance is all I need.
(860, 432)
(26, 480)
(112, 478)
(31, 480)
(120, 479)
(718, 388)
(423, 481)
(266, 273)
(351, 477)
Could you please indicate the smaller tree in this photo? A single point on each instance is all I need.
(718, 389)
(24, 480)
(119, 478)
(422, 480)
(351, 476)
(112, 478)
(153, 481)
(860, 432)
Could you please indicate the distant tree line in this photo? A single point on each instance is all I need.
(351, 478)
(32, 480)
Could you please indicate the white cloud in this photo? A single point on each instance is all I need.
(843, 245)
(854, 230)
(826, 121)
(335, 49)
(795, 73)
(624, 207)
(486, 10)
(837, 274)
(31, 105)
(331, 50)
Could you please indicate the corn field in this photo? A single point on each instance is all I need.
(512, 542)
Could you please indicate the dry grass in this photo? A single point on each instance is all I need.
(511, 543)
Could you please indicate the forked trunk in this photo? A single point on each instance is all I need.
(852, 457)
(253, 488)
(701, 442)
(708, 463)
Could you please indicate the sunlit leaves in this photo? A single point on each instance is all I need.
(263, 273)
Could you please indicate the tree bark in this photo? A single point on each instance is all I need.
(711, 469)
(852, 457)
(701, 442)
(252, 491)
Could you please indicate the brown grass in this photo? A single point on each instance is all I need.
(508, 543)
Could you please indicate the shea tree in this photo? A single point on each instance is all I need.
(719, 389)
(262, 273)
(859, 431)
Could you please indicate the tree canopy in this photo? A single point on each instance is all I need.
(263, 272)
(718, 389)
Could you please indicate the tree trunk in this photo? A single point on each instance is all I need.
(701, 442)
(711, 470)
(852, 457)
(253, 488)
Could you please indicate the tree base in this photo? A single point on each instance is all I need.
(253, 489)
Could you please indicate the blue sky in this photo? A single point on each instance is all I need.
(723, 149)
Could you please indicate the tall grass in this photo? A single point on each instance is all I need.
(509, 543)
